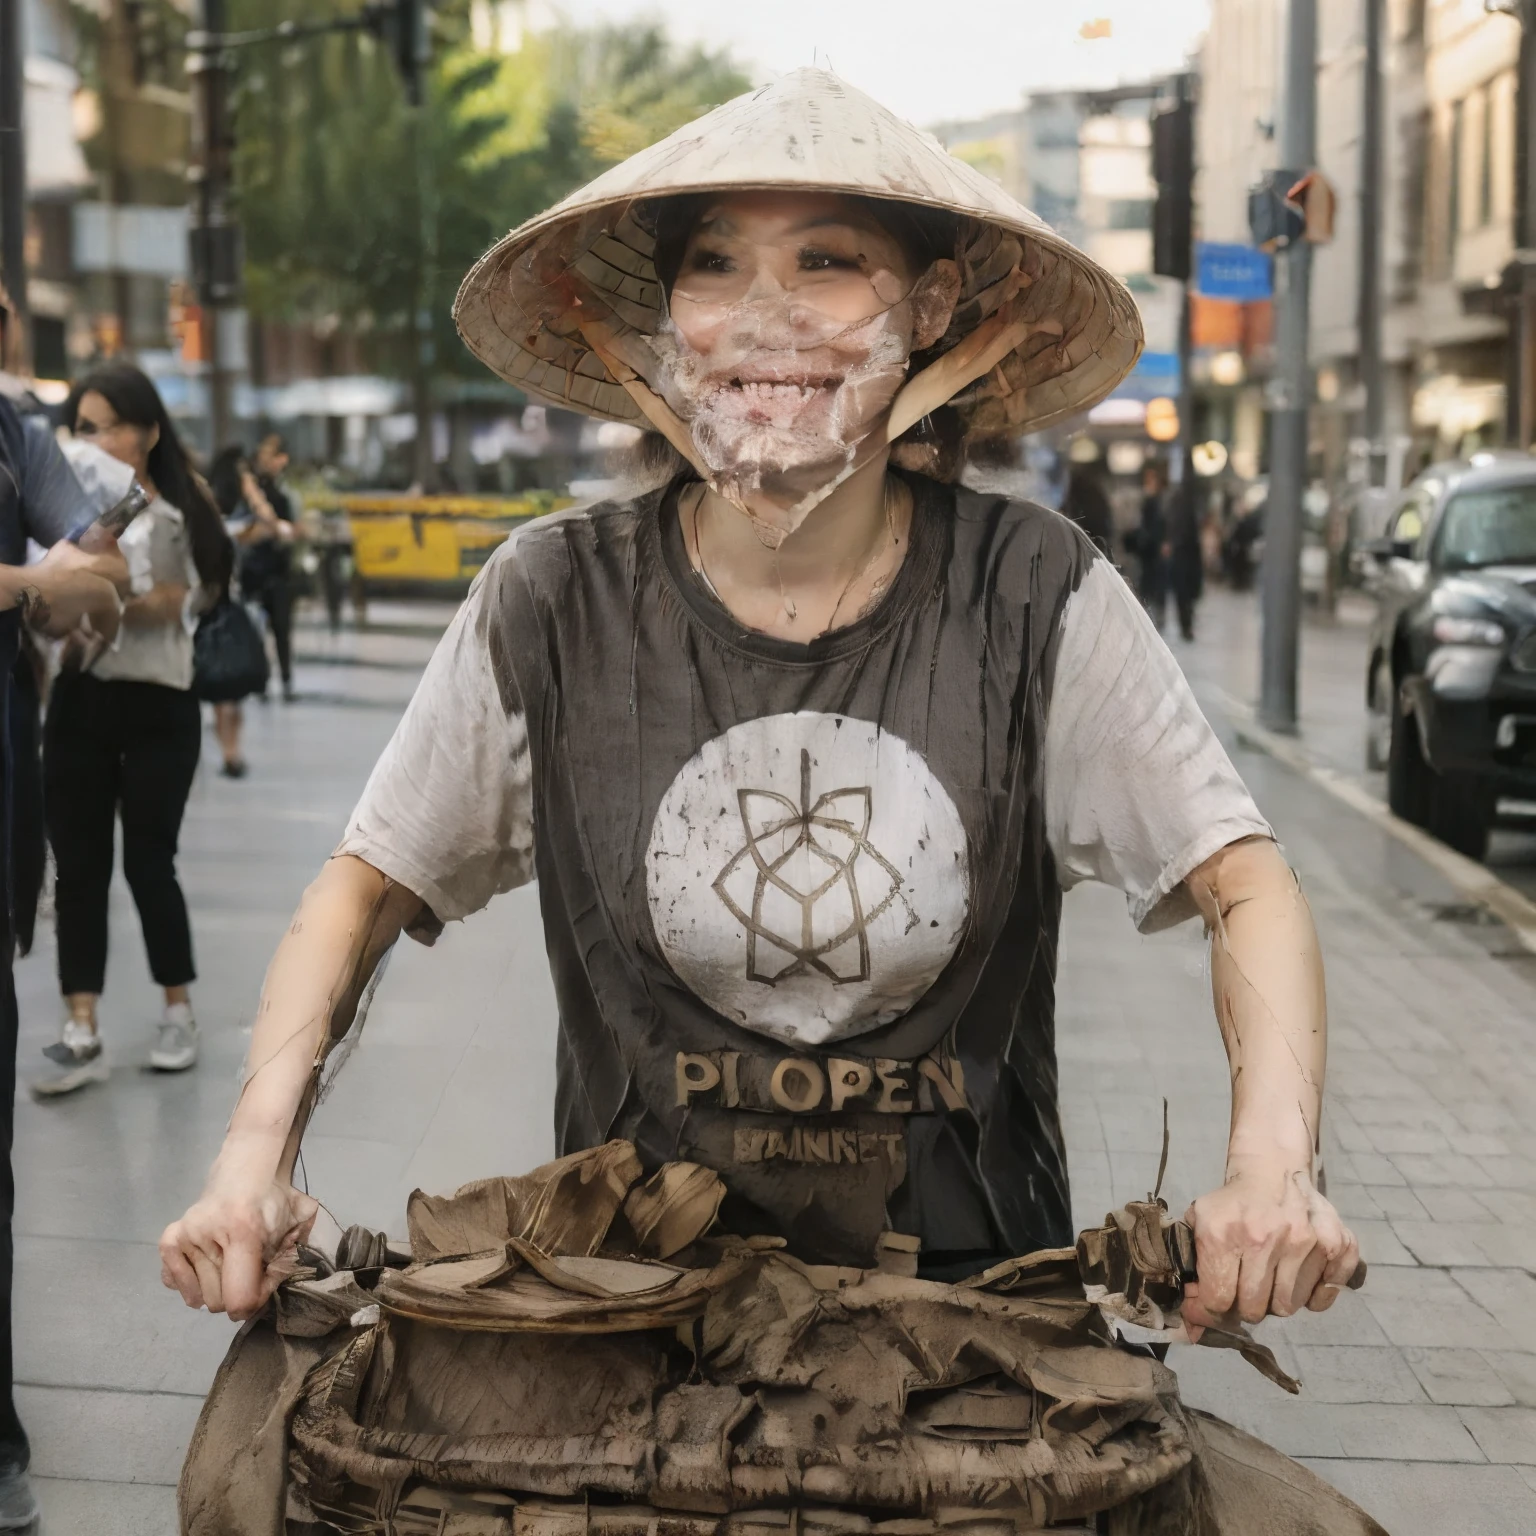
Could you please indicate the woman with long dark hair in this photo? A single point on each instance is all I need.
(124, 731)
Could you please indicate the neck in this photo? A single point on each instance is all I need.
(833, 540)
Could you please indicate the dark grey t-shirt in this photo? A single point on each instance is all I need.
(801, 901)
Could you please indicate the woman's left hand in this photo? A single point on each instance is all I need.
(1266, 1242)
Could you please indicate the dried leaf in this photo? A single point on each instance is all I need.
(676, 1206)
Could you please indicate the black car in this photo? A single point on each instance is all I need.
(1451, 682)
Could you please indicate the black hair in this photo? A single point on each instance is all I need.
(134, 398)
(224, 478)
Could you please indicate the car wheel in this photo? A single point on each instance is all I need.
(1378, 731)
(1409, 777)
(1459, 814)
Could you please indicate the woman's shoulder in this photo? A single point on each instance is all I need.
(543, 552)
(1027, 546)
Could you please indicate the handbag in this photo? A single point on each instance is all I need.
(229, 656)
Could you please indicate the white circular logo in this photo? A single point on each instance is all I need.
(808, 876)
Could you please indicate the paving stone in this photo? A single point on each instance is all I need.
(1406, 1432)
(1442, 1168)
(1426, 1307)
(1354, 1202)
(1379, 1242)
(1518, 1373)
(1504, 1434)
(1442, 1244)
(1358, 1374)
(1393, 1139)
(1433, 1499)
(1398, 1201)
(1459, 1376)
(121, 1437)
(1373, 1168)
(1508, 1295)
(106, 1509)
(1444, 1204)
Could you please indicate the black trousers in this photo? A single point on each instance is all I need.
(113, 746)
(14, 1452)
(276, 599)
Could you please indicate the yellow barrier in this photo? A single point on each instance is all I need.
(430, 539)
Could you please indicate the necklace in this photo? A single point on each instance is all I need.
(892, 492)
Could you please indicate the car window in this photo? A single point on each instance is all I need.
(1410, 520)
(1494, 526)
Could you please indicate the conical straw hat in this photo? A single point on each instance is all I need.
(811, 131)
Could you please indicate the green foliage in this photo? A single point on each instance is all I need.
(353, 204)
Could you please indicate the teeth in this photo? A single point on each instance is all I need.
(767, 392)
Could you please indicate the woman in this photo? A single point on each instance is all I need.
(251, 521)
(124, 732)
(804, 745)
(266, 561)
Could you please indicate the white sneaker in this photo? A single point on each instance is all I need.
(176, 1046)
(81, 1058)
(18, 1504)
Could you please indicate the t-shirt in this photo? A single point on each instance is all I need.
(801, 900)
(157, 549)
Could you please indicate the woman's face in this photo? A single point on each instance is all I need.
(98, 423)
(793, 317)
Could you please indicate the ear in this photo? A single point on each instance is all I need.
(933, 303)
(152, 437)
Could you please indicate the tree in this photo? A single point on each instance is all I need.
(359, 210)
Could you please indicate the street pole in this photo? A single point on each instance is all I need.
(1519, 278)
(1372, 376)
(1289, 393)
(215, 240)
(13, 188)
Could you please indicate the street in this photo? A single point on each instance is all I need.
(1420, 1392)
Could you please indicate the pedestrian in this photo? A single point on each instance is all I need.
(1150, 541)
(1182, 552)
(266, 562)
(805, 744)
(40, 500)
(1087, 504)
(124, 733)
(250, 520)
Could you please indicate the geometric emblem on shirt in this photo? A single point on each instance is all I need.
(786, 866)
(809, 897)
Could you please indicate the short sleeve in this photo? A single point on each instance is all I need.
(1138, 791)
(448, 809)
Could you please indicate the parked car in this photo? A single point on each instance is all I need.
(1451, 680)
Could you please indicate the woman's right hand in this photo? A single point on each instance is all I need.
(222, 1254)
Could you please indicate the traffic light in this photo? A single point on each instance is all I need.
(403, 27)
(1173, 168)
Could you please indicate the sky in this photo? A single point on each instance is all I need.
(933, 60)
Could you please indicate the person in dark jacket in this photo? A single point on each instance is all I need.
(1149, 541)
(266, 565)
(1186, 575)
(40, 499)
(1087, 504)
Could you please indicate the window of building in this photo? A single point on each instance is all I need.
(1485, 98)
(1453, 190)
(1130, 213)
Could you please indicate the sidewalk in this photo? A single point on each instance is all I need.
(1420, 1392)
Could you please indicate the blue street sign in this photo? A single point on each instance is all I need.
(1156, 374)
(1238, 272)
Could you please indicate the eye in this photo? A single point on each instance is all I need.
(815, 259)
(705, 260)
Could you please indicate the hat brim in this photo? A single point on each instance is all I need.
(809, 132)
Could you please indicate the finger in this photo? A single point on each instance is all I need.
(1343, 1253)
(1322, 1298)
(208, 1279)
(246, 1286)
(1256, 1283)
(1193, 1315)
(177, 1273)
(1217, 1260)
(1299, 1268)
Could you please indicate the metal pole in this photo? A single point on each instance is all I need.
(1184, 470)
(211, 212)
(1520, 384)
(13, 186)
(1289, 393)
(1371, 202)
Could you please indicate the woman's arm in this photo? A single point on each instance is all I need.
(1267, 1240)
(162, 604)
(218, 1254)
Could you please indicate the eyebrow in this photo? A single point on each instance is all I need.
(723, 224)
